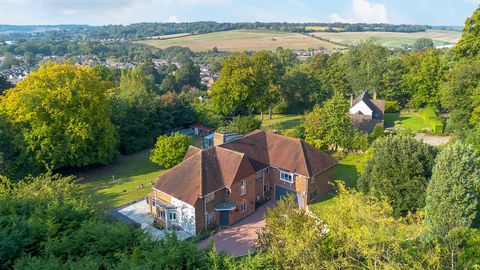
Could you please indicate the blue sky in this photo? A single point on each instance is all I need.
(99, 12)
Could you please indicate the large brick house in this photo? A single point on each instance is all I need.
(225, 183)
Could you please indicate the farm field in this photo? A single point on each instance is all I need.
(239, 40)
(391, 39)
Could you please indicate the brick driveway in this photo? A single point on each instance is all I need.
(236, 240)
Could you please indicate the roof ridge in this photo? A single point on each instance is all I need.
(304, 155)
(229, 150)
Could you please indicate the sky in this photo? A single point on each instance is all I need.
(103, 12)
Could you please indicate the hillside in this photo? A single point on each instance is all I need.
(391, 39)
(239, 40)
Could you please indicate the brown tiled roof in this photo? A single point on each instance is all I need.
(269, 149)
(205, 171)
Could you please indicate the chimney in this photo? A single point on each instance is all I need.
(218, 138)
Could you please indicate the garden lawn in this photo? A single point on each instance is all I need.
(280, 121)
(412, 121)
(348, 170)
(121, 182)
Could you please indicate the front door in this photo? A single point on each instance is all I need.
(224, 218)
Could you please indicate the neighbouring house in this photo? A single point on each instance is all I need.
(366, 112)
(221, 185)
(201, 130)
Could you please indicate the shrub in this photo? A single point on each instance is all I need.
(392, 106)
(169, 150)
(431, 118)
(399, 169)
(377, 132)
(244, 124)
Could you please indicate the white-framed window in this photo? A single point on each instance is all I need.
(210, 217)
(267, 170)
(210, 197)
(161, 213)
(154, 203)
(243, 207)
(259, 174)
(286, 176)
(173, 216)
(243, 187)
(265, 188)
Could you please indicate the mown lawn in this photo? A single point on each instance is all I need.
(411, 121)
(121, 182)
(128, 179)
(280, 121)
(348, 170)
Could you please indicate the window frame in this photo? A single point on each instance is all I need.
(172, 214)
(244, 205)
(259, 174)
(243, 187)
(282, 175)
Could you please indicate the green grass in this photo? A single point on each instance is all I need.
(392, 39)
(348, 170)
(280, 121)
(130, 172)
(411, 121)
(240, 40)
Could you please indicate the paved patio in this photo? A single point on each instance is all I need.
(236, 240)
(138, 212)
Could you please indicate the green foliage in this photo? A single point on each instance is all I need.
(453, 193)
(63, 116)
(330, 124)
(4, 84)
(423, 44)
(188, 75)
(425, 73)
(244, 124)
(431, 118)
(392, 106)
(362, 233)
(377, 132)
(246, 83)
(291, 238)
(170, 150)
(460, 96)
(366, 64)
(469, 44)
(399, 169)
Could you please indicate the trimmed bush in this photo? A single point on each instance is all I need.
(431, 118)
(392, 106)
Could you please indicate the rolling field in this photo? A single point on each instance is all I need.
(392, 40)
(239, 40)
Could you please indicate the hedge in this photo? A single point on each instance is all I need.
(432, 120)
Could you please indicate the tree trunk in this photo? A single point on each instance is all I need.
(270, 112)
(261, 115)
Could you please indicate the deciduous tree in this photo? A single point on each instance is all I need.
(169, 150)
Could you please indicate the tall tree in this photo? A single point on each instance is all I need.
(469, 44)
(423, 44)
(453, 193)
(425, 74)
(399, 169)
(188, 75)
(4, 84)
(63, 116)
(366, 64)
(329, 125)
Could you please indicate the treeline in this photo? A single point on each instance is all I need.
(143, 30)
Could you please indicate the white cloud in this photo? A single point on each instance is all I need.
(362, 11)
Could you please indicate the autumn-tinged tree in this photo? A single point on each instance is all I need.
(63, 116)
(454, 191)
(170, 149)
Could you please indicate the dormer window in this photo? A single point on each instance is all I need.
(286, 177)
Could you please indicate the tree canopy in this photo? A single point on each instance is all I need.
(63, 117)
(170, 150)
(399, 168)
